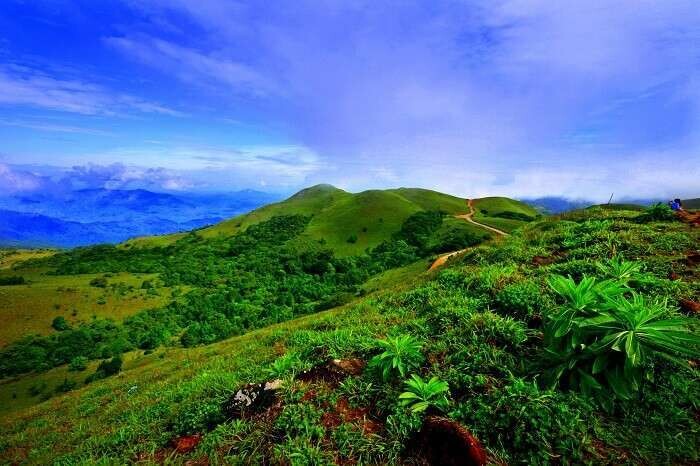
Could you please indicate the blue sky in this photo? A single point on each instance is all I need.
(483, 97)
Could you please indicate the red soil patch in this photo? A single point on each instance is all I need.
(333, 372)
(342, 412)
(689, 306)
(445, 442)
(186, 443)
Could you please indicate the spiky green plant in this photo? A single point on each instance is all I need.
(401, 353)
(421, 395)
(612, 339)
(619, 269)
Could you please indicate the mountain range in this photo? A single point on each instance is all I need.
(90, 216)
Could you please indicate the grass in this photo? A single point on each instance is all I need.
(10, 257)
(30, 309)
(488, 208)
(479, 322)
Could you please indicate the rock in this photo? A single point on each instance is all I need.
(187, 443)
(350, 366)
(445, 442)
(251, 399)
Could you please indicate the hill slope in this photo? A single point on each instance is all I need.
(477, 326)
(366, 218)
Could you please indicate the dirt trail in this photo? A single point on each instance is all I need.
(468, 217)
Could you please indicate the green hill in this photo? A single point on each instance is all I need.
(480, 325)
(503, 213)
(367, 218)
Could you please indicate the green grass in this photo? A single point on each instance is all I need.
(474, 333)
(479, 322)
(372, 216)
(487, 208)
(30, 309)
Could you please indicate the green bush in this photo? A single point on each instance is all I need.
(60, 324)
(421, 395)
(78, 364)
(600, 338)
(522, 300)
(527, 425)
(401, 354)
(12, 280)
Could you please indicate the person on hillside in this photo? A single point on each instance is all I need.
(675, 205)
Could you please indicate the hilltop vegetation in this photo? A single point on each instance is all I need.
(485, 327)
(366, 219)
(205, 287)
(492, 342)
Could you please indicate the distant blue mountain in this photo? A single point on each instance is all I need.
(91, 216)
(556, 204)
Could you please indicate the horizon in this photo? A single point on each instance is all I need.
(515, 98)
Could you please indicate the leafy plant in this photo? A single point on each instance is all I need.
(655, 213)
(602, 338)
(401, 353)
(620, 269)
(421, 395)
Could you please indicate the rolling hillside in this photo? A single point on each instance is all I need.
(503, 213)
(366, 218)
(477, 326)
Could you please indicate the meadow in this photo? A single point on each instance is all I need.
(570, 341)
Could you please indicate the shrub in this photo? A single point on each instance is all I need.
(352, 239)
(528, 425)
(106, 369)
(601, 338)
(78, 364)
(401, 354)
(421, 395)
(99, 282)
(522, 300)
(60, 324)
(657, 213)
(66, 386)
(13, 280)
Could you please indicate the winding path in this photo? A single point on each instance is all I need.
(468, 217)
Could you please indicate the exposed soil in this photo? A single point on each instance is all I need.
(467, 217)
(342, 412)
(445, 442)
(333, 372)
(689, 306)
(187, 443)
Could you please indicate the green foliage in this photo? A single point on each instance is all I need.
(421, 395)
(619, 269)
(289, 364)
(602, 338)
(106, 369)
(66, 386)
(352, 239)
(512, 215)
(60, 324)
(78, 364)
(657, 213)
(401, 354)
(99, 282)
(523, 300)
(528, 425)
(12, 280)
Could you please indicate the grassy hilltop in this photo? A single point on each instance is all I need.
(370, 216)
(513, 329)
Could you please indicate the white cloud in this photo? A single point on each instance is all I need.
(25, 86)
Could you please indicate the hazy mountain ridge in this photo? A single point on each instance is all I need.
(91, 216)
